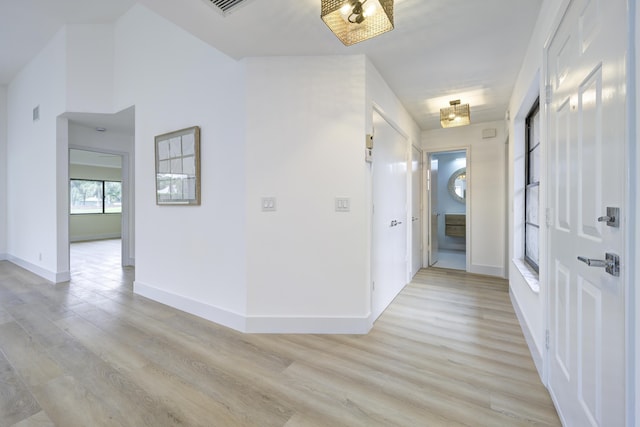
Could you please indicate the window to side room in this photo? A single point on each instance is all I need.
(95, 196)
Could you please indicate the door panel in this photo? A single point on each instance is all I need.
(389, 252)
(590, 153)
(586, 122)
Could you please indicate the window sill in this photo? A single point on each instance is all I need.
(528, 274)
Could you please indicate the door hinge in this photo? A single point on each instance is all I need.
(548, 94)
(546, 339)
(373, 286)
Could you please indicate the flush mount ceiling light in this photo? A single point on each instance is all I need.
(455, 115)
(353, 21)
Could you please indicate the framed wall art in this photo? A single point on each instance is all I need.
(178, 167)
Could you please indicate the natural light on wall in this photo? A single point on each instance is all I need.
(353, 21)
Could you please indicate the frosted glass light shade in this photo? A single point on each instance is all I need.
(353, 21)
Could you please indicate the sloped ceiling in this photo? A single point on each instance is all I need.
(439, 50)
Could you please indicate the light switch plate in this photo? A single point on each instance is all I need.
(268, 204)
(343, 204)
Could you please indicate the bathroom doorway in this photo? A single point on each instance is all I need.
(447, 187)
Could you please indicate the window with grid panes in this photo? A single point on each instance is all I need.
(532, 187)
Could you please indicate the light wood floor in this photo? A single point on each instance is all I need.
(448, 351)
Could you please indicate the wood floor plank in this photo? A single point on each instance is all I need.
(447, 352)
(28, 358)
(16, 402)
(37, 420)
(179, 396)
(67, 403)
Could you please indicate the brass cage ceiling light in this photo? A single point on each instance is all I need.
(353, 21)
(455, 115)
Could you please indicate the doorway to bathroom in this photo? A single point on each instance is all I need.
(447, 193)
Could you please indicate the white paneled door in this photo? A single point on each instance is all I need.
(586, 134)
(416, 210)
(389, 251)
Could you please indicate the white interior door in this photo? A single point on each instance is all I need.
(586, 77)
(432, 183)
(416, 210)
(389, 252)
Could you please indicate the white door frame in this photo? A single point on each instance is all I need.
(633, 225)
(427, 197)
(421, 203)
(126, 200)
(376, 109)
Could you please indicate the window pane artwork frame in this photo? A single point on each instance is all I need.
(178, 167)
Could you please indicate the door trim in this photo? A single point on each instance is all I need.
(377, 109)
(632, 276)
(468, 208)
(126, 235)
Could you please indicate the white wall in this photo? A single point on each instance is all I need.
(305, 146)
(33, 213)
(191, 257)
(529, 304)
(292, 128)
(486, 176)
(90, 52)
(94, 226)
(3, 173)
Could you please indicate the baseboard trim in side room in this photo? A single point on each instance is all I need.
(89, 238)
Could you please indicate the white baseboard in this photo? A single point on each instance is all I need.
(536, 354)
(308, 325)
(256, 324)
(4, 257)
(215, 314)
(51, 276)
(95, 237)
(486, 270)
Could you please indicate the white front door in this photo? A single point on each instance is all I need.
(586, 134)
(416, 210)
(389, 252)
(432, 183)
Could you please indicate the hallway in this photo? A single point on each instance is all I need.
(448, 351)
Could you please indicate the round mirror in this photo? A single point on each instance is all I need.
(458, 185)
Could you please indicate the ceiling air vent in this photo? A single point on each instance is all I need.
(226, 6)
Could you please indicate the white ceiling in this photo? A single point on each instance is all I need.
(439, 50)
